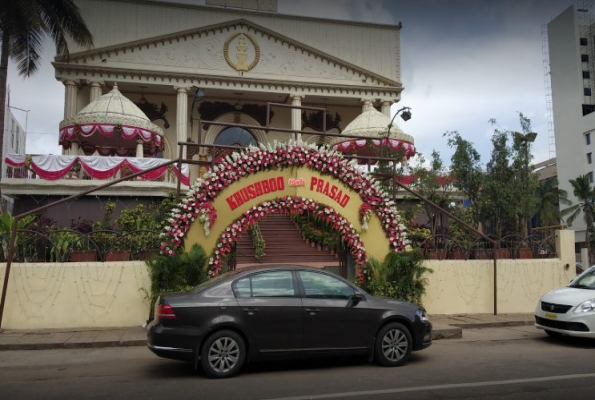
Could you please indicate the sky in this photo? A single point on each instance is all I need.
(463, 63)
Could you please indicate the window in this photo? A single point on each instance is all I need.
(588, 138)
(586, 74)
(267, 284)
(583, 41)
(589, 158)
(236, 137)
(587, 91)
(584, 57)
(591, 177)
(322, 286)
(588, 109)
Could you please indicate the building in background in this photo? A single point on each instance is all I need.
(571, 38)
(14, 142)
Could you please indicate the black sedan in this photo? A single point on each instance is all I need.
(282, 312)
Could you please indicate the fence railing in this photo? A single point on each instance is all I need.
(66, 245)
(468, 247)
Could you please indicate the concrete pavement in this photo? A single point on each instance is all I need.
(445, 327)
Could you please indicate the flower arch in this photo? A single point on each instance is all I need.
(198, 202)
(292, 205)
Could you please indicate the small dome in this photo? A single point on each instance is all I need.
(373, 126)
(115, 109)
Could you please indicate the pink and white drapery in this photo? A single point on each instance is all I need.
(349, 146)
(55, 167)
(67, 134)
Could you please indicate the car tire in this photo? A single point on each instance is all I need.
(554, 335)
(393, 345)
(223, 354)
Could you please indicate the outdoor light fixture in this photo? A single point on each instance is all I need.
(526, 138)
(198, 94)
(406, 114)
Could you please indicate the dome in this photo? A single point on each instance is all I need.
(374, 125)
(109, 125)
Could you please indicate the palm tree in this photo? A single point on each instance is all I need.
(23, 26)
(549, 197)
(585, 194)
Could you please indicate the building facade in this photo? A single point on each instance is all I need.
(571, 38)
(197, 70)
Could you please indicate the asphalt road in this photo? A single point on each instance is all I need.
(512, 363)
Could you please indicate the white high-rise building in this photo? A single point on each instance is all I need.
(571, 37)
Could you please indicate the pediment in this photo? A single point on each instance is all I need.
(232, 49)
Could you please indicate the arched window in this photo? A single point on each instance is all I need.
(234, 137)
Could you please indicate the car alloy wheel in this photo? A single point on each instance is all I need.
(223, 354)
(393, 345)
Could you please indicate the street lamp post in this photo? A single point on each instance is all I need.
(406, 115)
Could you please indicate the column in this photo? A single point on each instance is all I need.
(95, 91)
(366, 105)
(70, 109)
(385, 107)
(296, 115)
(182, 117)
(139, 148)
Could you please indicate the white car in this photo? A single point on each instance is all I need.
(569, 310)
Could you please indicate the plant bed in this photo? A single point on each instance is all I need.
(118, 255)
(82, 256)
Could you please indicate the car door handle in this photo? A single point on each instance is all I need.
(250, 311)
(312, 311)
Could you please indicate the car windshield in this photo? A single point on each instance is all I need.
(586, 281)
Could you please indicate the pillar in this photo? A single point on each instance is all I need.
(70, 109)
(296, 115)
(95, 90)
(385, 107)
(366, 105)
(139, 148)
(182, 117)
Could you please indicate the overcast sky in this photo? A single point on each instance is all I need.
(463, 63)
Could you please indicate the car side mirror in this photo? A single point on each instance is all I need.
(356, 298)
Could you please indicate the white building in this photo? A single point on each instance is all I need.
(14, 142)
(571, 37)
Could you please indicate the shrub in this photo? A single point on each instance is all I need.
(399, 276)
(176, 273)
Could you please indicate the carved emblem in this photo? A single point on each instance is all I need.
(244, 53)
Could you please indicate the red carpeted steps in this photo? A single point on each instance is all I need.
(284, 244)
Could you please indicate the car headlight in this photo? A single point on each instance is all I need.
(585, 306)
(421, 313)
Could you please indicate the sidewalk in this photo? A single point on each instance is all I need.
(445, 327)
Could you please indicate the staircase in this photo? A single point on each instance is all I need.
(284, 244)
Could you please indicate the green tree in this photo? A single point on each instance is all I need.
(496, 203)
(549, 197)
(23, 26)
(525, 180)
(466, 169)
(431, 184)
(585, 193)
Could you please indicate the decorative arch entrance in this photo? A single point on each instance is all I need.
(288, 178)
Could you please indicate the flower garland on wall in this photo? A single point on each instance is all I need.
(281, 155)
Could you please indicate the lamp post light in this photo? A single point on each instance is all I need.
(406, 115)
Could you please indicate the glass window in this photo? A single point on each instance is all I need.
(591, 177)
(584, 57)
(266, 284)
(236, 137)
(587, 91)
(586, 74)
(583, 41)
(589, 158)
(588, 138)
(324, 287)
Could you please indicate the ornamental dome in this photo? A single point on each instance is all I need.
(374, 125)
(111, 125)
